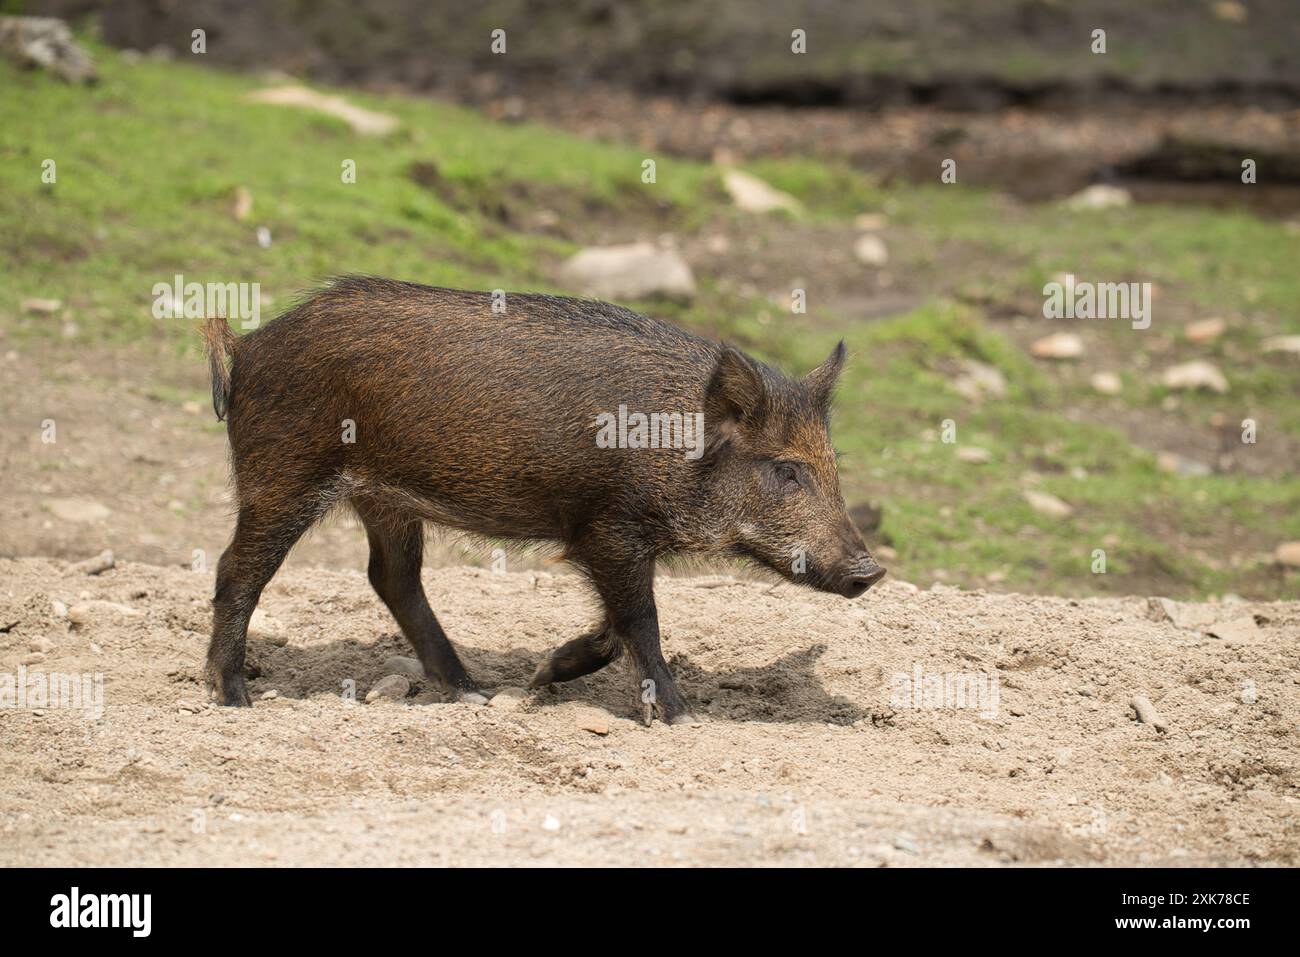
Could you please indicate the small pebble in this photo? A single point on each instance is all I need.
(83, 613)
(94, 566)
(402, 665)
(1147, 713)
(905, 842)
(597, 722)
(263, 627)
(508, 699)
(394, 687)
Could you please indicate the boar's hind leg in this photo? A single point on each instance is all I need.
(627, 589)
(264, 533)
(579, 657)
(396, 554)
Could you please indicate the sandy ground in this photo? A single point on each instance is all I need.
(805, 753)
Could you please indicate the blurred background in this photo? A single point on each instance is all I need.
(791, 199)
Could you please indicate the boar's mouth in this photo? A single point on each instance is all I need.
(852, 582)
(811, 577)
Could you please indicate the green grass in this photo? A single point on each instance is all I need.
(149, 162)
(955, 515)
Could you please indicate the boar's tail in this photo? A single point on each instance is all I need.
(221, 343)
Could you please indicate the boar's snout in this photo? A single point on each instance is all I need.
(860, 575)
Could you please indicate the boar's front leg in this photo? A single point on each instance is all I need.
(627, 589)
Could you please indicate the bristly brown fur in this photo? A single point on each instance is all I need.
(413, 404)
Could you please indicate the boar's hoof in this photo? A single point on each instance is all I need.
(667, 715)
(471, 696)
(231, 694)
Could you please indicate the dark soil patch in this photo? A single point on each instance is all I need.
(1191, 155)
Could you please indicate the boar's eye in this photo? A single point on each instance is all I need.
(787, 475)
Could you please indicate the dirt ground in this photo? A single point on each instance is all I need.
(805, 755)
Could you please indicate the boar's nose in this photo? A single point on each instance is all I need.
(862, 575)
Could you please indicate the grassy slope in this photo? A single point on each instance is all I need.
(148, 163)
(149, 160)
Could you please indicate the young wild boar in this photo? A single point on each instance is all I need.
(413, 404)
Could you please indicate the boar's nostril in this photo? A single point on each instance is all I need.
(869, 575)
(861, 578)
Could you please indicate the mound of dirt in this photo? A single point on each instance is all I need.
(907, 727)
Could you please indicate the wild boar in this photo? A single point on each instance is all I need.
(416, 405)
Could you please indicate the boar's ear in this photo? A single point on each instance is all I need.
(822, 379)
(734, 397)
